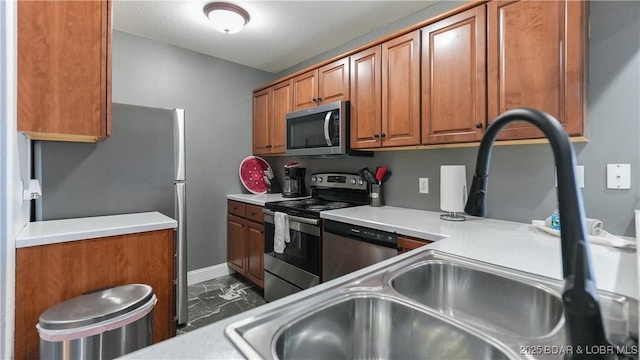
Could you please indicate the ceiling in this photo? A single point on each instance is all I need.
(281, 34)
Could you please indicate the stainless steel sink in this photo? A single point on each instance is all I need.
(374, 327)
(429, 305)
(496, 303)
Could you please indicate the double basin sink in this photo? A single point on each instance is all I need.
(429, 306)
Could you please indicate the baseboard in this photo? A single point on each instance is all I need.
(208, 273)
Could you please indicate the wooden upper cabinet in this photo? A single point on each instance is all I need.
(536, 59)
(333, 82)
(282, 103)
(305, 90)
(401, 90)
(64, 70)
(261, 122)
(270, 107)
(454, 78)
(385, 94)
(323, 85)
(366, 90)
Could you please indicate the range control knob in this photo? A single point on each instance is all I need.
(319, 178)
(353, 181)
(360, 182)
(314, 179)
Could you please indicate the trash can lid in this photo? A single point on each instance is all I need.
(97, 306)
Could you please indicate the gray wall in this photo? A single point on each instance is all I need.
(217, 98)
(521, 186)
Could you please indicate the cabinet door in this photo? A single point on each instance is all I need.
(255, 253)
(305, 90)
(333, 82)
(236, 244)
(366, 90)
(282, 103)
(401, 90)
(537, 54)
(261, 127)
(64, 67)
(454, 78)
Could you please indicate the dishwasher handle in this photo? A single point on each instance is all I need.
(355, 232)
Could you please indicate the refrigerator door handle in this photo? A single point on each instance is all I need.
(181, 258)
(179, 142)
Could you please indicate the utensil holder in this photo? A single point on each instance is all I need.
(376, 197)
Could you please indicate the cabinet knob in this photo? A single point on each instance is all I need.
(319, 99)
(315, 100)
(479, 126)
(383, 135)
(375, 136)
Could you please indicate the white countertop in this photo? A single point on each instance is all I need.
(57, 231)
(514, 245)
(258, 199)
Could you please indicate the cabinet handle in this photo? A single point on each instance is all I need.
(479, 126)
(383, 135)
(375, 136)
(319, 99)
(315, 100)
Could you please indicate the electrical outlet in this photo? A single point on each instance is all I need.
(424, 186)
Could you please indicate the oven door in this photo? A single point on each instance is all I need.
(320, 130)
(298, 267)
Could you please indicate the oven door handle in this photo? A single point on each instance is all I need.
(294, 218)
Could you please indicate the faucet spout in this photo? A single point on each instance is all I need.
(583, 320)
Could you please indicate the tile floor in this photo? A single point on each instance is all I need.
(220, 298)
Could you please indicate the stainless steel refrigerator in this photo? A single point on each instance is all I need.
(139, 168)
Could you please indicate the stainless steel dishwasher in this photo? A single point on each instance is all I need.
(348, 248)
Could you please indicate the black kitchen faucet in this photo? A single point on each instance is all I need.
(583, 320)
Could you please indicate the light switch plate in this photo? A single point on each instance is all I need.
(619, 176)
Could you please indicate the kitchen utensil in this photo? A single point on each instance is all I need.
(386, 176)
(369, 176)
(380, 172)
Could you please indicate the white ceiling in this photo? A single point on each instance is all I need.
(280, 34)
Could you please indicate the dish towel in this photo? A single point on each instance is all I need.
(594, 226)
(281, 236)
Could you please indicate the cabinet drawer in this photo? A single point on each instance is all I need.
(406, 244)
(237, 208)
(254, 213)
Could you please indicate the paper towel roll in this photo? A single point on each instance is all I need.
(453, 188)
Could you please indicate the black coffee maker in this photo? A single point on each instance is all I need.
(294, 181)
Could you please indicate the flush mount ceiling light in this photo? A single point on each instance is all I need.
(228, 18)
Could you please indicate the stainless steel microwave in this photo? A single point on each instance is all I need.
(321, 130)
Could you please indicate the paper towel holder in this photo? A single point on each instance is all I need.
(453, 192)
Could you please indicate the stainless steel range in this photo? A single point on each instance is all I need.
(298, 267)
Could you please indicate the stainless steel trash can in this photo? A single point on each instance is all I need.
(103, 324)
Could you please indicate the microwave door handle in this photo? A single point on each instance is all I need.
(327, 119)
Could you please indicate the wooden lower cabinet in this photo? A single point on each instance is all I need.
(245, 241)
(406, 244)
(49, 274)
